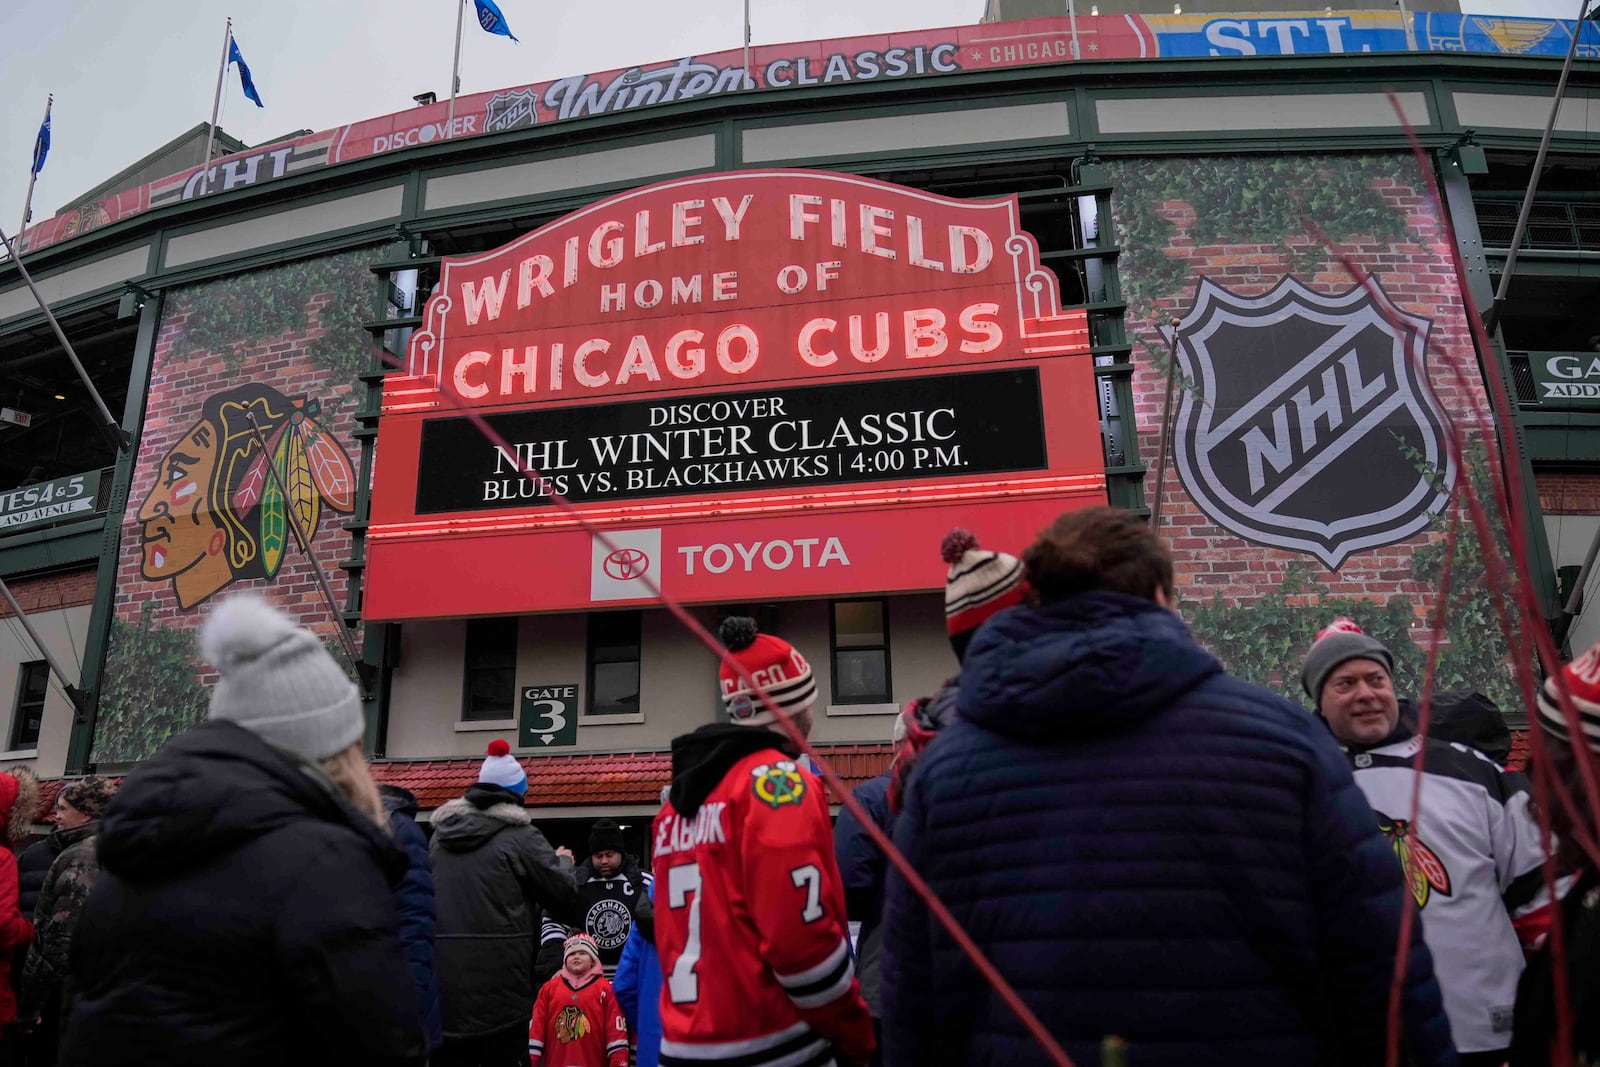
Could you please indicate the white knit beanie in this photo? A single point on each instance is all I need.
(278, 681)
(501, 768)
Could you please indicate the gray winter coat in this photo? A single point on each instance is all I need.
(493, 872)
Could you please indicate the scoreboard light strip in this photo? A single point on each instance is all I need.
(908, 495)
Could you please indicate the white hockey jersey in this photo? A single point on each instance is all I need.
(1473, 863)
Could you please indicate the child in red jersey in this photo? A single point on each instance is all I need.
(576, 1020)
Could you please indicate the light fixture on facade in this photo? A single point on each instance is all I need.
(1177, 9)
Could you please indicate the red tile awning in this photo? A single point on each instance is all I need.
(599, 778)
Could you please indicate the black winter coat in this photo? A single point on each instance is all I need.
(244, 915)
(1148, 848)
(33, 863)
(493, 872)
(413, 897)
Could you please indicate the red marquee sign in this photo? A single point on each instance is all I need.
(761, 384)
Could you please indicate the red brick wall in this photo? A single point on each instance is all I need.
(1568, 494)
(49, 592)
(1418, 276)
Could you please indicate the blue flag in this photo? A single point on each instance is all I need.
(245, 81)
(489, 18)
(41, 144)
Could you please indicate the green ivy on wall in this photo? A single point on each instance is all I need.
(150, 693)
(230, 315)
(1248, 200)
(1264, 640)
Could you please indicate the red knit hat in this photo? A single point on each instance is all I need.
(980, 584)
(777, 667)
(1583, 687)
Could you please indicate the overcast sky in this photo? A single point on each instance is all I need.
(128, 76)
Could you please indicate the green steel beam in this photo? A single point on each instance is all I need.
(80, 747)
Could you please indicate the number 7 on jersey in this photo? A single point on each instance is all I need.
(683, 985)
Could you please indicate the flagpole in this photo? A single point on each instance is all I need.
(749, 81)
(216, 103)
(455, 71)
(33, 173)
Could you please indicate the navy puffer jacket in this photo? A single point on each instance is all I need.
(1148, 848)
(413, 898)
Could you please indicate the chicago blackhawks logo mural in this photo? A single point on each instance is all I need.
(217, 515)
(1291, 434)
(1425, 873)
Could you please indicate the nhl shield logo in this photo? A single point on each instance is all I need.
(1291, 433)
(511, 109)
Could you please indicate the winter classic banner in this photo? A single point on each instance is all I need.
(844, 61)
(763, 383)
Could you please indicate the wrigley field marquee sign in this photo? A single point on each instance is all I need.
(759, 383)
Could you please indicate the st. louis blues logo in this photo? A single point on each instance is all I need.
(1425, 873)
(1297, 408)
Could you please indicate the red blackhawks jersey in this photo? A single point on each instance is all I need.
(751, 927)
(577, 1027)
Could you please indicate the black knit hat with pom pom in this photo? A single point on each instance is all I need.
(775, 665)
(980, 583)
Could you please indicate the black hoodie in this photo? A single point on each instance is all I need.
(700, 759)
(243, 915)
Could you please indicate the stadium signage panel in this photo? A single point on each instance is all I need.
(1566, 379)
(695, 356)
(47, 502)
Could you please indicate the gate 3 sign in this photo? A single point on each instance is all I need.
(1301, 403)
(757, 357)
(549, 717)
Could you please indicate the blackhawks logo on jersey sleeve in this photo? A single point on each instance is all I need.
(777, 784)
(1425, 873)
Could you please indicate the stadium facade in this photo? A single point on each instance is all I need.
(295, 354)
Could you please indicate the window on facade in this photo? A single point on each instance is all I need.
(36, 380)
(1549, 312)
(28, 712)
(614, 663)
(491, 691)
(861, 652)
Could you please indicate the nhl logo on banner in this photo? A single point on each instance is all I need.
(510, 110)
(1297, 406)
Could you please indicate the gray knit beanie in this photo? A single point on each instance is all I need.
(278, 681)
(1340, 642)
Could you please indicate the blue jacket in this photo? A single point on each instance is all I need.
(413, 898)
(862, 865)
(638, 989)
(1148, 848)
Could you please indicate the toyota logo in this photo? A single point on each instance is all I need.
(625, 564)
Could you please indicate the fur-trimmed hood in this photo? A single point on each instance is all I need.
(19, 820)
(468, 822)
